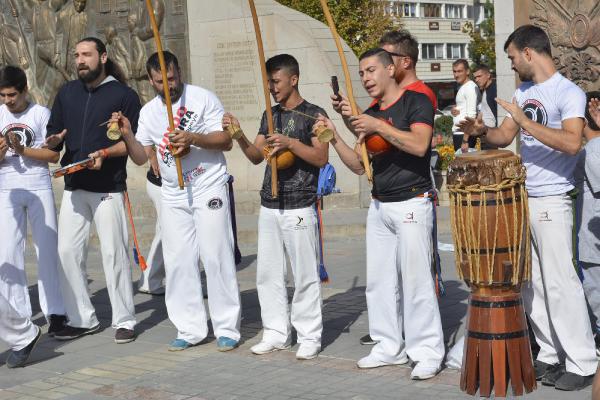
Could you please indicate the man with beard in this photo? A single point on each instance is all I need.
(548, 111)
(400, 292)
(95, 194)
(195, 222)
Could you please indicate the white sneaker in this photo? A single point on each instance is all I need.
(307, 351)
(421, 372)
(265, 348)
(371, 362)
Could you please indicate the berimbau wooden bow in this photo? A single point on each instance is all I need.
(349, 90)
(267, 94)
(163, 70)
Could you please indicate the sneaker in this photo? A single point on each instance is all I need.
(421, 372)
(71, 332)
(179, 345)
(307, 351)
(570, 381)
(18, 358)
(540, 368)
(124, 335)
(371, 362)
(553, 373)
(57, 324)
(265, 347)
(367, 340)
(157, 292)
(225, 344)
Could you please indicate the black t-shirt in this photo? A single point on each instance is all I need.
(399, 176)
(298, 183)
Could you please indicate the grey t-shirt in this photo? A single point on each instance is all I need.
(587, 177)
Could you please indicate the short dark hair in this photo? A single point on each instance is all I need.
(385, 57)
(283, 61)
(110, 68)
(482, 67)
(13, 77)
(462, 61)
(405, 43)
(532, 37)
(154, 65)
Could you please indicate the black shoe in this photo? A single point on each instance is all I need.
(70, 332)
(570, 381)
(553, 374)
(541, 368)
(124, 335)
(18, 358)
(57, 324)
(367, 340)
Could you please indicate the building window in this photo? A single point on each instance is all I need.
(454, 11)
(454, 51)
(104, 6)
(432, 51)
(430, 10)
(408, 10)
(178, 7)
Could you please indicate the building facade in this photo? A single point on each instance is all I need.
(438, 26)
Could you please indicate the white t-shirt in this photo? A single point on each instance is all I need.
(549, 171)
(18, 172)
(587, 176)
(199, 111)
(467, 98)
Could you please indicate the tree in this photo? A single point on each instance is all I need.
(360, 23)
(482, 48)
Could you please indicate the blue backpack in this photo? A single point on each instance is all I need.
(325, 186)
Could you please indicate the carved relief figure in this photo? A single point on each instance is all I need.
(117, 51)
(72, 22)
(574, 30)
(46, 54)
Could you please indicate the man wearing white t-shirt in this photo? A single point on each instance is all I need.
(467, 99)
(195, 222)
(548, 111)
(25, 195)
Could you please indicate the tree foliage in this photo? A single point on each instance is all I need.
(482, 48)
(360, 23)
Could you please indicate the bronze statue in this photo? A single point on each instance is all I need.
(117, 51)
(72, 27)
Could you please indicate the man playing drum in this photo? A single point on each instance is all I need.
(548, 111)
(400, 220)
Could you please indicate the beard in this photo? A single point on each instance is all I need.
(175, 93)
(90, 74)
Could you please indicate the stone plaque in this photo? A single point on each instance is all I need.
(40, 37)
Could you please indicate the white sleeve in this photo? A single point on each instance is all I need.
(43, 123)
(213, 114)
(592, 167)
(143, 134)
(471, 97)
(571, 102)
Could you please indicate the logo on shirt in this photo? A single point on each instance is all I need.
(544, 217)
(183, 120)
(24, 133)
(215, 203)
(535, 111)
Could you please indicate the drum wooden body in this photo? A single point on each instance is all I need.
(490, 226)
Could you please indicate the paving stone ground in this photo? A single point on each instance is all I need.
(94, 367)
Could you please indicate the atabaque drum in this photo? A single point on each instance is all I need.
(490, 228)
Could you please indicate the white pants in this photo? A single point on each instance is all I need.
(400, 288)
(16, 207)
(591, 288)
(15, 329)
(554, 298)
(194, 230)
(152, 278)
(78, 209)
(293, 232)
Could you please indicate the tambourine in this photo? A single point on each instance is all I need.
(71, 168)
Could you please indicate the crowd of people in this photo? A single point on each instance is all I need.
(194, 225)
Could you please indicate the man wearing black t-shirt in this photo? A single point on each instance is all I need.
(400, 292)
(288, 224)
